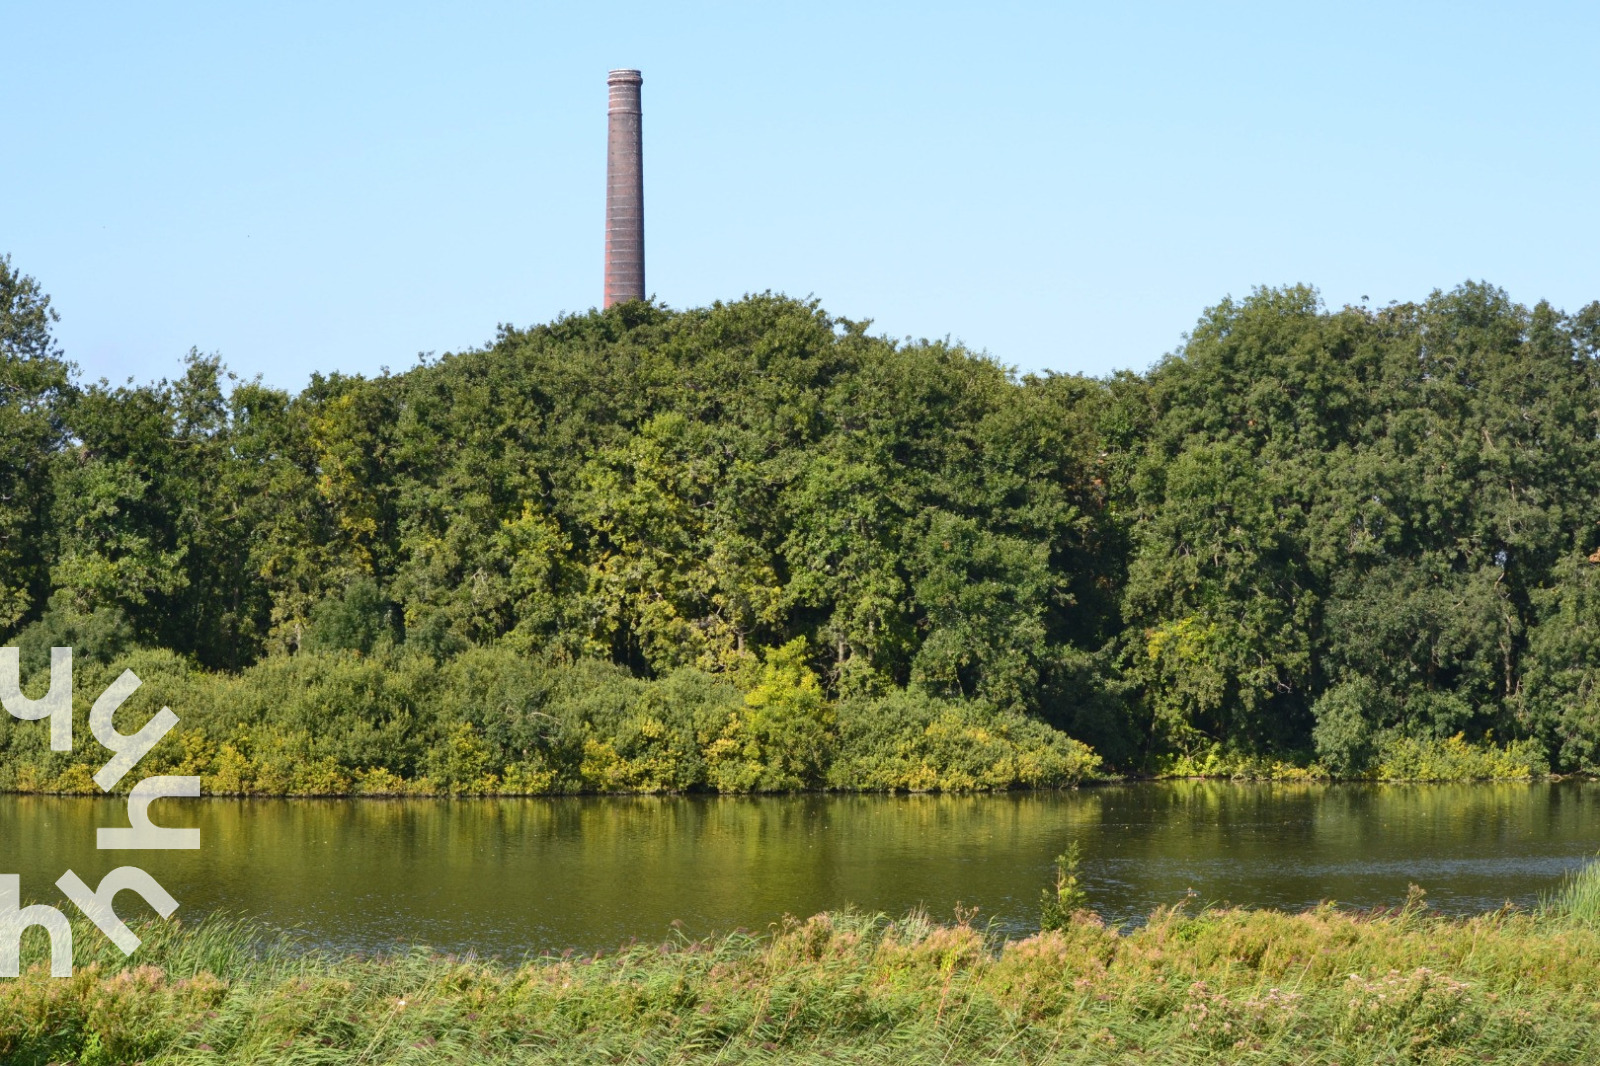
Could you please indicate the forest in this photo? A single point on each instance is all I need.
(756, 547)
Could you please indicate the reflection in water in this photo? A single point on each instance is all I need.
(509, 876)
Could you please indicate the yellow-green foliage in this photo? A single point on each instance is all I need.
(913, 743)
(1457, 759)
(783, 736)
(1216, 761)
(1399, 758)
(1321, 987)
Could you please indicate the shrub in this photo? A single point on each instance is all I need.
(911, 742)
(1406, 758)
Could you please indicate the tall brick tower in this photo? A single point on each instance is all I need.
(624, 190)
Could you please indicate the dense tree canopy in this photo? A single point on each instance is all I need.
(1306, 534)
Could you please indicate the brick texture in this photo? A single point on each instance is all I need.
(624, 190)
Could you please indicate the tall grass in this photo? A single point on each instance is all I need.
(1324, 986)
(1577, 901)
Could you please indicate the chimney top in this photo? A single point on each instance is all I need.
(624, 77)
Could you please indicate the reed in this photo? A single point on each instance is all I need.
(1577, 901)
(1322, 986)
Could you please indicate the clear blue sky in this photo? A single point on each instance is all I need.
(339, 186)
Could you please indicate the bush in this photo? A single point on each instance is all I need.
(911, 742)
(1344, 730)
(496, 721)
(1405, 758)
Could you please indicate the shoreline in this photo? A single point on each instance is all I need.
(1105, 782)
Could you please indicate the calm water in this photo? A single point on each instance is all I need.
(509, 876)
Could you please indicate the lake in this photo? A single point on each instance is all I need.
(512, 876)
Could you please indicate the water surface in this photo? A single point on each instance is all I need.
(512, 876)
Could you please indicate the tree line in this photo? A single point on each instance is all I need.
(781, 551)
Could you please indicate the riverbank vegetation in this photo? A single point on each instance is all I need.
(1325, 986)
(754, 547)
(491, 721)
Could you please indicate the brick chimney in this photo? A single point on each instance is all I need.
(624, 190)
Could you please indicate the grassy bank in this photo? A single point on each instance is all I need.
(1325, 986)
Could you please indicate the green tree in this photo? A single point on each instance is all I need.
(35, 391)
